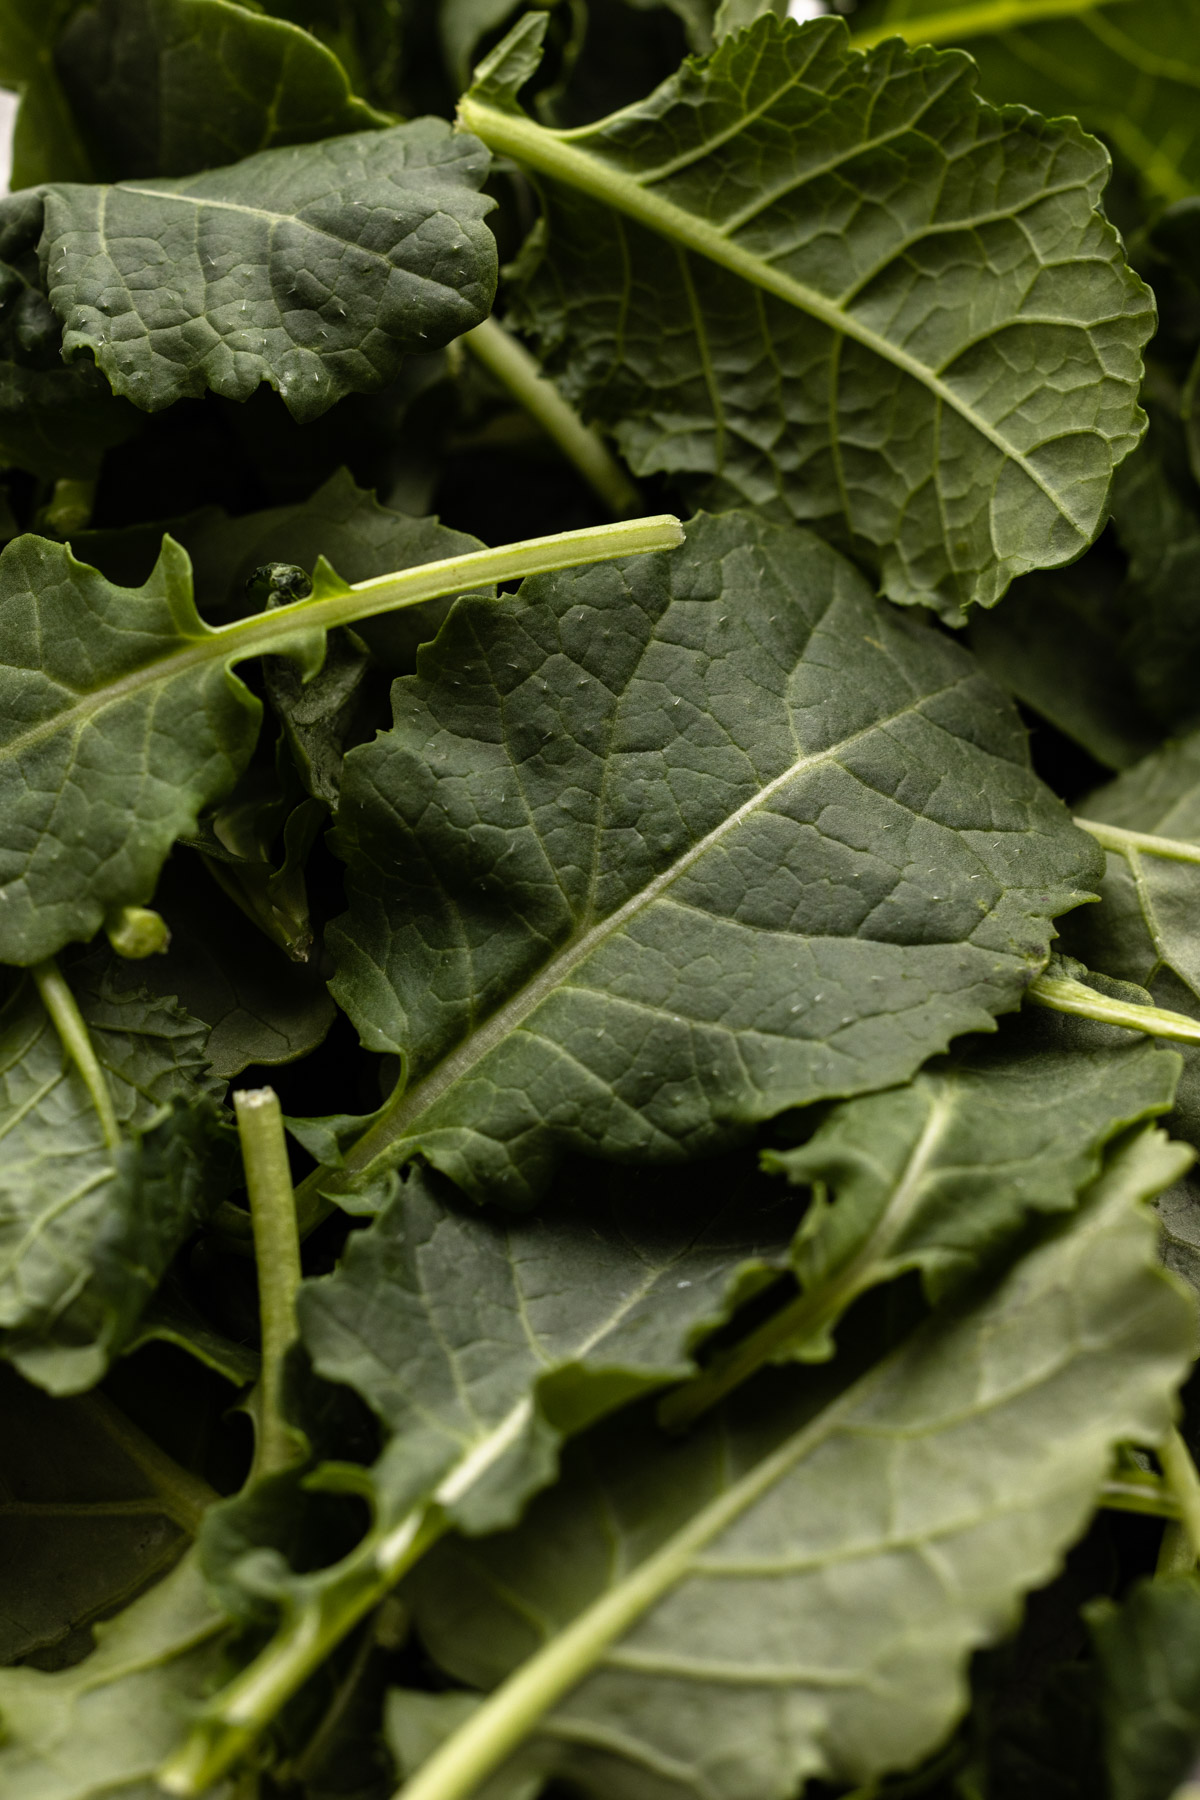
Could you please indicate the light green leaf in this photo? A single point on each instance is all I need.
(98, 1731)
(941, 1174)
(170, 87)
(55, 420)
(315, 268)
(1148, 1651)
(87, 1230)
(462, 24)
(794, 1591)
(1127, 68)
(657, 851)
(842, 289)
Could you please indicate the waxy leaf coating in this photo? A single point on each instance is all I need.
(794, 1591)
(845, 289)
(314, 268)
(657, 850)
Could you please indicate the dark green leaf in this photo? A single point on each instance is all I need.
(843, 289)
(1149, 1655)
(1127, 68)
(656, 851)
(87, 1231)
(46, 141)
(794, 1591)
(169, 87)
(315, 268)
(55, 419)
(260, 1007)
(942, 1173)
(90, 1517)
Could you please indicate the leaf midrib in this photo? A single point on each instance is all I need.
(408, 1107)
(550, 154)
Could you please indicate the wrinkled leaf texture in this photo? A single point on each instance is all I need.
(940, 1175)
(656, 850)
(1126, 68)
(315, 268)
(845, 289)
(793, 1592)
(86, 1232)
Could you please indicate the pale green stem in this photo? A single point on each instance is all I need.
(1184, 1483)
(76, 1040)
(1117, 838)
(231, 1720)
(982, 19)
(1062, 994)
(262, 632)
(277, 1259)
(513, 366)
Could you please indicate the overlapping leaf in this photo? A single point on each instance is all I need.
(314, 268)
(795, 1591)
(46, 142)
(844, 289)
(55, 420)
(87, 1519)
(1127, 68)
(656, 851)
(86, 1230)
(1149, 1656)
(98, 1731)
(942, 1173)
(169, 87)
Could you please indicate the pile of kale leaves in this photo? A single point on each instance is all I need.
(595, 1118)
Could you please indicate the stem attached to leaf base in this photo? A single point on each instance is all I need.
(277, 1256)
(1062, 994)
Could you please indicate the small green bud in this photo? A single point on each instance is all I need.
(137, 931)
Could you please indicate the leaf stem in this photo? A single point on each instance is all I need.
(1184, 1482)
(1117, 838)
(1061, 993)
(231, 1720)
(184, 1497)
(75, 1038)
(277, 1257)
(505, 357)
(266, 631)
